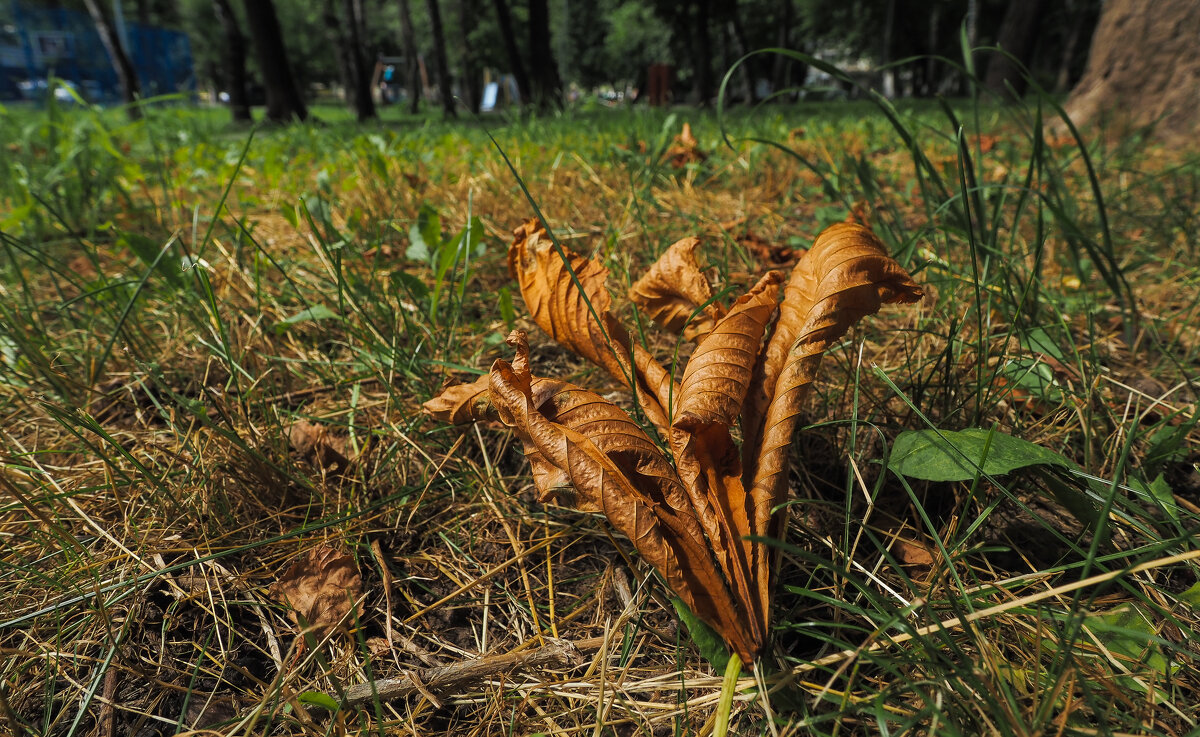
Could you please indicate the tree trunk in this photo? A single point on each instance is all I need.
(889, 28)
(510, 46)
(784, 68)
(467, 11)
(747, 70)
(1079, 18)
(364, 103)
(702, 54)
(341, 47)
(1018, 36)
(1144, 69)
(126, 75)
(412, 66)
(547, 86)
(439, 59)
(234, 57)
(283, 98)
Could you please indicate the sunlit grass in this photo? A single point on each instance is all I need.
(177, 293)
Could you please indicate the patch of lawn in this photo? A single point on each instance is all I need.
(178, 297)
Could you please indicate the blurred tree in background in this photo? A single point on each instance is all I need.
(549, 46)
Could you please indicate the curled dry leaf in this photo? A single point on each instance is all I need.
(685, 149)
(675, 294)
(585, 443)
(566, 297)
(691, 514)
(315, 443)
(319, 588)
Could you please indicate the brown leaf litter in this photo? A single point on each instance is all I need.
(320, 589)
(693, 512)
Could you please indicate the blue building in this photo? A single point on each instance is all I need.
(37, 43)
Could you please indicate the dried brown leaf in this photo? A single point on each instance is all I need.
(774, 255)
(844, 277)
(690, 519)
(685, 149)
(566, 297)
(711, 392)
(581, 440)
(320, 588)
(316, 444)
(459, 404)
(718, 374)
(675, 294)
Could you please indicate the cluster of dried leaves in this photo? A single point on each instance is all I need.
(699, 510)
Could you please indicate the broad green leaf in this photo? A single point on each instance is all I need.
(1035, 377)
(416, 288)
(1039, 340)
(1129, 635)
(288, 211)
(962, 455)
(1191, 597)
(315, 313)
(1160, 491)
(507, 313)
(1168, 443)
(155, 254)
(708, 642)
(318, 698)
(425, 236)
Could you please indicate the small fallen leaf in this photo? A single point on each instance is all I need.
(912, 553)
(316, 444)
(684, 149)
(773, 255)
(320, 588)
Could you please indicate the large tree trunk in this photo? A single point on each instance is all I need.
(1144, 68)
(467, 11)
(514, 53)
(364, 104)
(126, 75)
(412, 65)
(283, 98)
(439, 59)
(702, 54)
(234, 58)
(546, 82)
(1081, 17)
(785, 69)
(341, 47)
(747, 70)
(1018, 36)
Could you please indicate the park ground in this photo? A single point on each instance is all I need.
(215, 344)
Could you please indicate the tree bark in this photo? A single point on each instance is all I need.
(364, 103)
(234, 57)
(784, 68)
(341, 47)
(439, 59)
(467, 11)
(126, 75)
(1018, 36)
(510, 46)
(283, 98)
(1079, 20)
(1144, 69)
(747, 70)
(412, 65)
(547, 84)
(702, 54)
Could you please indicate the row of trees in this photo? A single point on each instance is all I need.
(285, 47)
